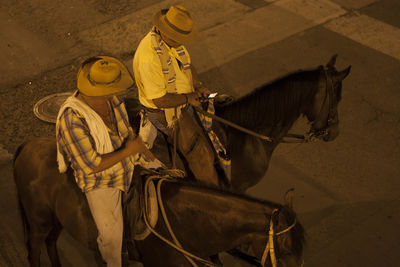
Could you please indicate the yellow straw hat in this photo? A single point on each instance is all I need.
(103, 75)
(176, 24)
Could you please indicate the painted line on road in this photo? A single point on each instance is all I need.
(318, 11)
(254, 30)
(355, 4)
(123, 35)
(227, 28)
(369, 32)
(259, 28)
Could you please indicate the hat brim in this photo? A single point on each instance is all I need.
(121, 84)
(182, 38)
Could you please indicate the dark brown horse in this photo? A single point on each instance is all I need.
(271, 110)
(206, 221)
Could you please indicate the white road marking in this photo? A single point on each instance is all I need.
(369, 32)
(123, 35)
(232, 30)
(260, 28)
(318, 11)
(354, 4)
(264, 26)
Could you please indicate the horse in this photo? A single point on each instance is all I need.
(206, 220)
(271, 110)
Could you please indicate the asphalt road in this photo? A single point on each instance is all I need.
(347, 191)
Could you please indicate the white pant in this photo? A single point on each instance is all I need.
(105, 205)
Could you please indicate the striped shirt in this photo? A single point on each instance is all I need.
(149, 75)
(77, 144)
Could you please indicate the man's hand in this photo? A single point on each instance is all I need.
(135, 145)
(204, 91)
(194, 99)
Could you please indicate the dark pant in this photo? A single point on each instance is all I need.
(191, 142)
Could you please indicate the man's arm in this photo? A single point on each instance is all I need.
(194, 99)
(132, 146)
(174, 100)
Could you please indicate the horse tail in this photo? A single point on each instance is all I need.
(24, 219)
(17, 152)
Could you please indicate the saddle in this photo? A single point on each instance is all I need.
(143, 193)
(134, 205)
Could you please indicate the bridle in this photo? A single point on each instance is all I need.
(332, 118)
(269, 247)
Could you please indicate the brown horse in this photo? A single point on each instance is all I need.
(206, 221)
(271, 110)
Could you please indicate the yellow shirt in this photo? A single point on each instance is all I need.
(148, 73)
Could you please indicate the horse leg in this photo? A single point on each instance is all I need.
(51, 244)
(34, 242)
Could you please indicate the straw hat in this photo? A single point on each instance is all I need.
(103, 75)
(176, 24)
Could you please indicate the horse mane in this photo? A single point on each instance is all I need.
(225, 192)
(281, 101)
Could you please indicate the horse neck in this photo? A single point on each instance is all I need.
(226, 218)
(273, 108)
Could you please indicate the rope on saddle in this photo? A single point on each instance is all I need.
(189, 256)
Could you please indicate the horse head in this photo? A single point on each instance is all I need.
(285, 240)
(291, 238)
(324, 114)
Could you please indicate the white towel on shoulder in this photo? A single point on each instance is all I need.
(98, 130)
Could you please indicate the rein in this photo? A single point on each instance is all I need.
(229, 123)
(301, 138)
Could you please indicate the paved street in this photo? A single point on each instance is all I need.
(347, 191)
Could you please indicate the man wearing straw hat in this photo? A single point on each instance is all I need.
(168, 88)
(94, 135)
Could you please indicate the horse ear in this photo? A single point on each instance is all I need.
(288, 199)
(342, 74)
(332, 61)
